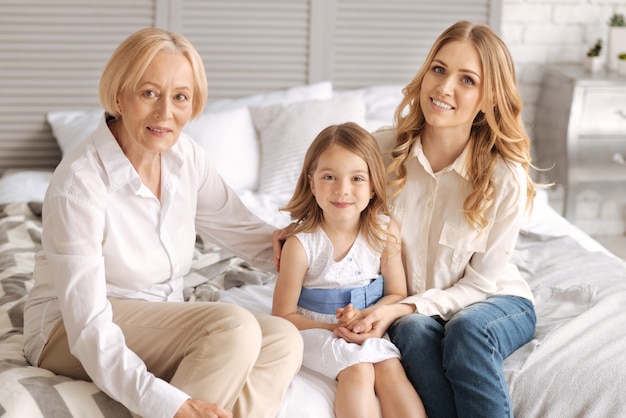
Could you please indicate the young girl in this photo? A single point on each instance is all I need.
(459, 158)
(332, 268)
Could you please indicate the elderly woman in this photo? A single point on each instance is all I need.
(120, 219)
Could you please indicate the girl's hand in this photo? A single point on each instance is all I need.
(373, 325)
(348, 316)
(194, 408)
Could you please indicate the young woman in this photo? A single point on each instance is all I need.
(340, 260)
(460, 189)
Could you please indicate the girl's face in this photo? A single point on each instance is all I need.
(341, 184)
(154, 114)
(451, 94)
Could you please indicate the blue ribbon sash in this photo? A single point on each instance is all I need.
(327, 301)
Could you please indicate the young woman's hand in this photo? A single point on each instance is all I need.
(375, 324)
(194, 408)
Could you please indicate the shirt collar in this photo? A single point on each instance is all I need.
(459, 165)
(117, 166)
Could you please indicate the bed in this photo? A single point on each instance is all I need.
(575, 366)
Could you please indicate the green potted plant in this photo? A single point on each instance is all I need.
(593, 61)
(621, 63)
(617, 38)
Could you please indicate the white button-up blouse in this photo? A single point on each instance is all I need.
(105, 234)
(449, 265)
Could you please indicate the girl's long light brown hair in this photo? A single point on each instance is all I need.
(303, 207)
(498, 132)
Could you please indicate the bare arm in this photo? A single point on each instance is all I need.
(294, 265)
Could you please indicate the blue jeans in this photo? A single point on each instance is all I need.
(457, 366)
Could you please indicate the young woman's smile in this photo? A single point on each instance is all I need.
(451, 94)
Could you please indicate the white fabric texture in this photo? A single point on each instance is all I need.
(229, 139)
(24, 185)
(323, 351)
(286, 131)
(315, 91)
(70, 127)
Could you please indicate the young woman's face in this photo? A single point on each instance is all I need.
(341, 184)
(154, 114)
(451, 94)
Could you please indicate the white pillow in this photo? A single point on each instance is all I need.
(230, 142)
(70, 127)
(24, 185)
(286, 131)
(316, 91)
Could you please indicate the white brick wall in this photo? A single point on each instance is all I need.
(542, 32)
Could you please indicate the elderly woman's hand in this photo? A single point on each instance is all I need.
(278, 239)
(194, 408)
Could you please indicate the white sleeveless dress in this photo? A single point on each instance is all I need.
(323, 351)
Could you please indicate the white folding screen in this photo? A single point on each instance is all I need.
(52, 51)
(51, 57)
(249, 46)
(386, 41)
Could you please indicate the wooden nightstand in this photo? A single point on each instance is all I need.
(581, 130)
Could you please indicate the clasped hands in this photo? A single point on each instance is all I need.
(355, 327)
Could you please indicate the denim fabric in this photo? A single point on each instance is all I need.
(457, 366)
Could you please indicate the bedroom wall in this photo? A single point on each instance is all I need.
(540, 32)
(52, 51)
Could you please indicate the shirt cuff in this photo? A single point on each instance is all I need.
(163, 401)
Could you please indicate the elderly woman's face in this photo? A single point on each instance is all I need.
(154, 114)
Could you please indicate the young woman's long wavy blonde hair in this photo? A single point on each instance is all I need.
(303, 207)
(498, 132)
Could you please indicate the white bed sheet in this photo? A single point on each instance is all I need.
(580, 342)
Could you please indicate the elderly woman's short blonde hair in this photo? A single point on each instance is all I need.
(131, 58)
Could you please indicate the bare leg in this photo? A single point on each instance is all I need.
(397, 396)
(355, 397)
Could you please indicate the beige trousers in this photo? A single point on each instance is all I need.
(216, 352)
